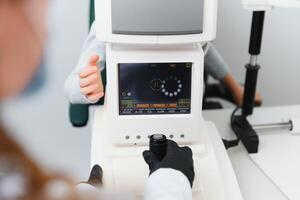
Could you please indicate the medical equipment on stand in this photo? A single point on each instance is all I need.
(240, 124)
(154, 59)
(278, 156)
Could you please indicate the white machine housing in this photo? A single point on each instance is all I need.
(104, 26)
(119, 140)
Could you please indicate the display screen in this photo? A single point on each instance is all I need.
(154, 88)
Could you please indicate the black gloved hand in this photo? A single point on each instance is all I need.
(178, 158)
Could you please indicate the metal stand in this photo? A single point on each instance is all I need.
(240, 124)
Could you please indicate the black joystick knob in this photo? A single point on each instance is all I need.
(158, 145)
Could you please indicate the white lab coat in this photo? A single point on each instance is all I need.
(168, 184)
(163, 184)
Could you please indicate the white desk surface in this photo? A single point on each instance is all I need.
(254, 184)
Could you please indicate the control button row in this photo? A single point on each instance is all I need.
(171, 136)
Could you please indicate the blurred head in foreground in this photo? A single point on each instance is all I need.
(22, 36)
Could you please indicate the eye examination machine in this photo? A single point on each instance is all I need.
(154, 61)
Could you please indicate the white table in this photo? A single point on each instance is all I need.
(254, 184)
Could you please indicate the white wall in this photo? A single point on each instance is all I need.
(41, 123)
(280, 57)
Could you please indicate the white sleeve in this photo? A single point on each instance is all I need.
(91, 47)
(215, 65)
(168, 184)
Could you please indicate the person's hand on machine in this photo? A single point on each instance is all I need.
(178, 158)
(91, 84)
